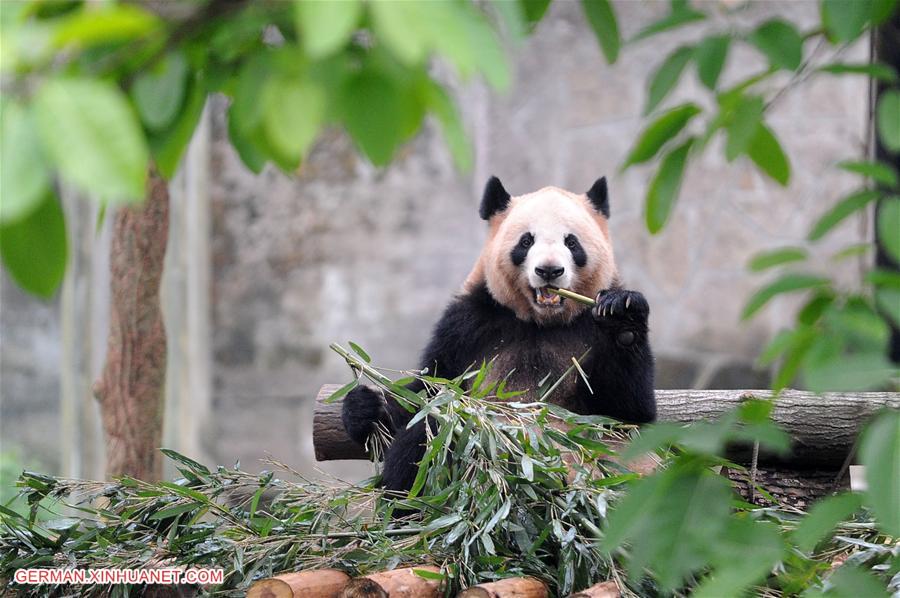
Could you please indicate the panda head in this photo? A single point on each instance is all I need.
(551, 237)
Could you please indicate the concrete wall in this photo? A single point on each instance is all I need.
(344, 251)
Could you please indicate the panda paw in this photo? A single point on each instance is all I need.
(622, 310)
(363, 408)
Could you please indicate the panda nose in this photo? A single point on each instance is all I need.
(549, 273)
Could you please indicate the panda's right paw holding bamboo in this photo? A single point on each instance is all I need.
(363, 408)
(623, 312)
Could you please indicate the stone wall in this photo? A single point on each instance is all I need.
(344, 251)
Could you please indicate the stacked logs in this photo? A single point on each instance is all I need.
(404, 583)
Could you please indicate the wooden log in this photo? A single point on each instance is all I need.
(513, 587)
(319, 583)
(604, 589)
(823, 427)
(397, 583)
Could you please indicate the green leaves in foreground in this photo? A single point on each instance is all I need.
(766, 153)
(35, 248)
(666, 76)
(780, 42)
(880, 453)
(92, 137)
(776, 257)
(888, 119)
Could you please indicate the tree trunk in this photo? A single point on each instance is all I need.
(397, 583)
(318, 583)
(823, 428)
(130, 389)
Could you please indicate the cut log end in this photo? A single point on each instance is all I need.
(605, 589)
(320, 583)
(514, 587)
(363, 587)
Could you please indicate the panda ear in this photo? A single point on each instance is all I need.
(599, 196)
(495, 198)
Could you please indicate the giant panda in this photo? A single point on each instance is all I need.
(506, 313)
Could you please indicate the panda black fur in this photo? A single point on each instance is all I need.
(548, 237)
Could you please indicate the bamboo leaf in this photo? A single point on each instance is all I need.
(877, 171)
(841, 211)
(888, 119)
(660, 131)
(823, 517)
(665, 185)
(602, 19)
(766, 153)
(780, 42)
(776, 257)
(788, 283)
(666, 76)
(710, 57)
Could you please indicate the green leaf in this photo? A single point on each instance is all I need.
(158, 94)
(889, 226)
(843, 373)
(744, 555)
(780, 42)
(462, 35)
(252, 155)
(426, 574)
(359, 351)
(173, 511)
(844, 20)
(787, 283)
(661, 130)
(888, 301)
(167, 147)
(602, 19)
(880, 453)
(840, 211)
(822, 518)
(766, 153)
(527, 468)
(24, 178)
(710, 57)
(664, 187)
(743, 125)
(889, 119)
(342, 391)
(294, 110)
(401, 26)
(534, 10)
(876, 70)
(92, 136)
(666, 76)
(681, 14)
(35, 248)
(375, 111)
(102, 24)
(776, 257)
(439, 102)
(326, 27)
(852, 582)
(877, 171)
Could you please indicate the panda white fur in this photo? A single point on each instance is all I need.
(505, 313)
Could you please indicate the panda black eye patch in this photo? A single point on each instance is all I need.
(579, 256)
(517, 255)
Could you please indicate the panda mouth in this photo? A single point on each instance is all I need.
(544, 298)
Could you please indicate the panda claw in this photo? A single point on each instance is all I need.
(627, 301)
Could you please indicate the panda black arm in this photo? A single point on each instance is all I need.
(449, 352)
(621, 371)
(451, 344)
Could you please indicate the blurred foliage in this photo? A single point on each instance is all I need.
(94, 92)
(840, 337)
(506, 489)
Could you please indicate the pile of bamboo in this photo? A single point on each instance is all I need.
(404, 583)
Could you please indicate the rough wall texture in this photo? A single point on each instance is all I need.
(345, 251)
